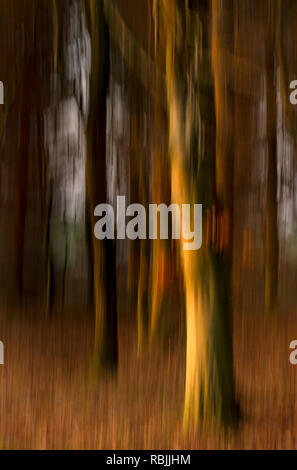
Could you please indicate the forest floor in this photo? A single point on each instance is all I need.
(50, 400)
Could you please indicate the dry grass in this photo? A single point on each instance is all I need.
(49, 400)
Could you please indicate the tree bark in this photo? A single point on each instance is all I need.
(103, 252)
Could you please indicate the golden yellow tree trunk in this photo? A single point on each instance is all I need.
(209, 390)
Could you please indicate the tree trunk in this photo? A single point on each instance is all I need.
(103, 252)
(209, 391)
(271, 224)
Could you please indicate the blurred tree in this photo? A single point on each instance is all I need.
(103, 252)
(32, 99)
(140, 180)
(271, 223)
(209, 369)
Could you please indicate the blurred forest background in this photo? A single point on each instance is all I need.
(140, 344)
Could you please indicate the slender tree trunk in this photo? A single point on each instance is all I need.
(104, 254)
(140, 193)
(222, 51)
(160, 193)
(22, 178)
(271, 224)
